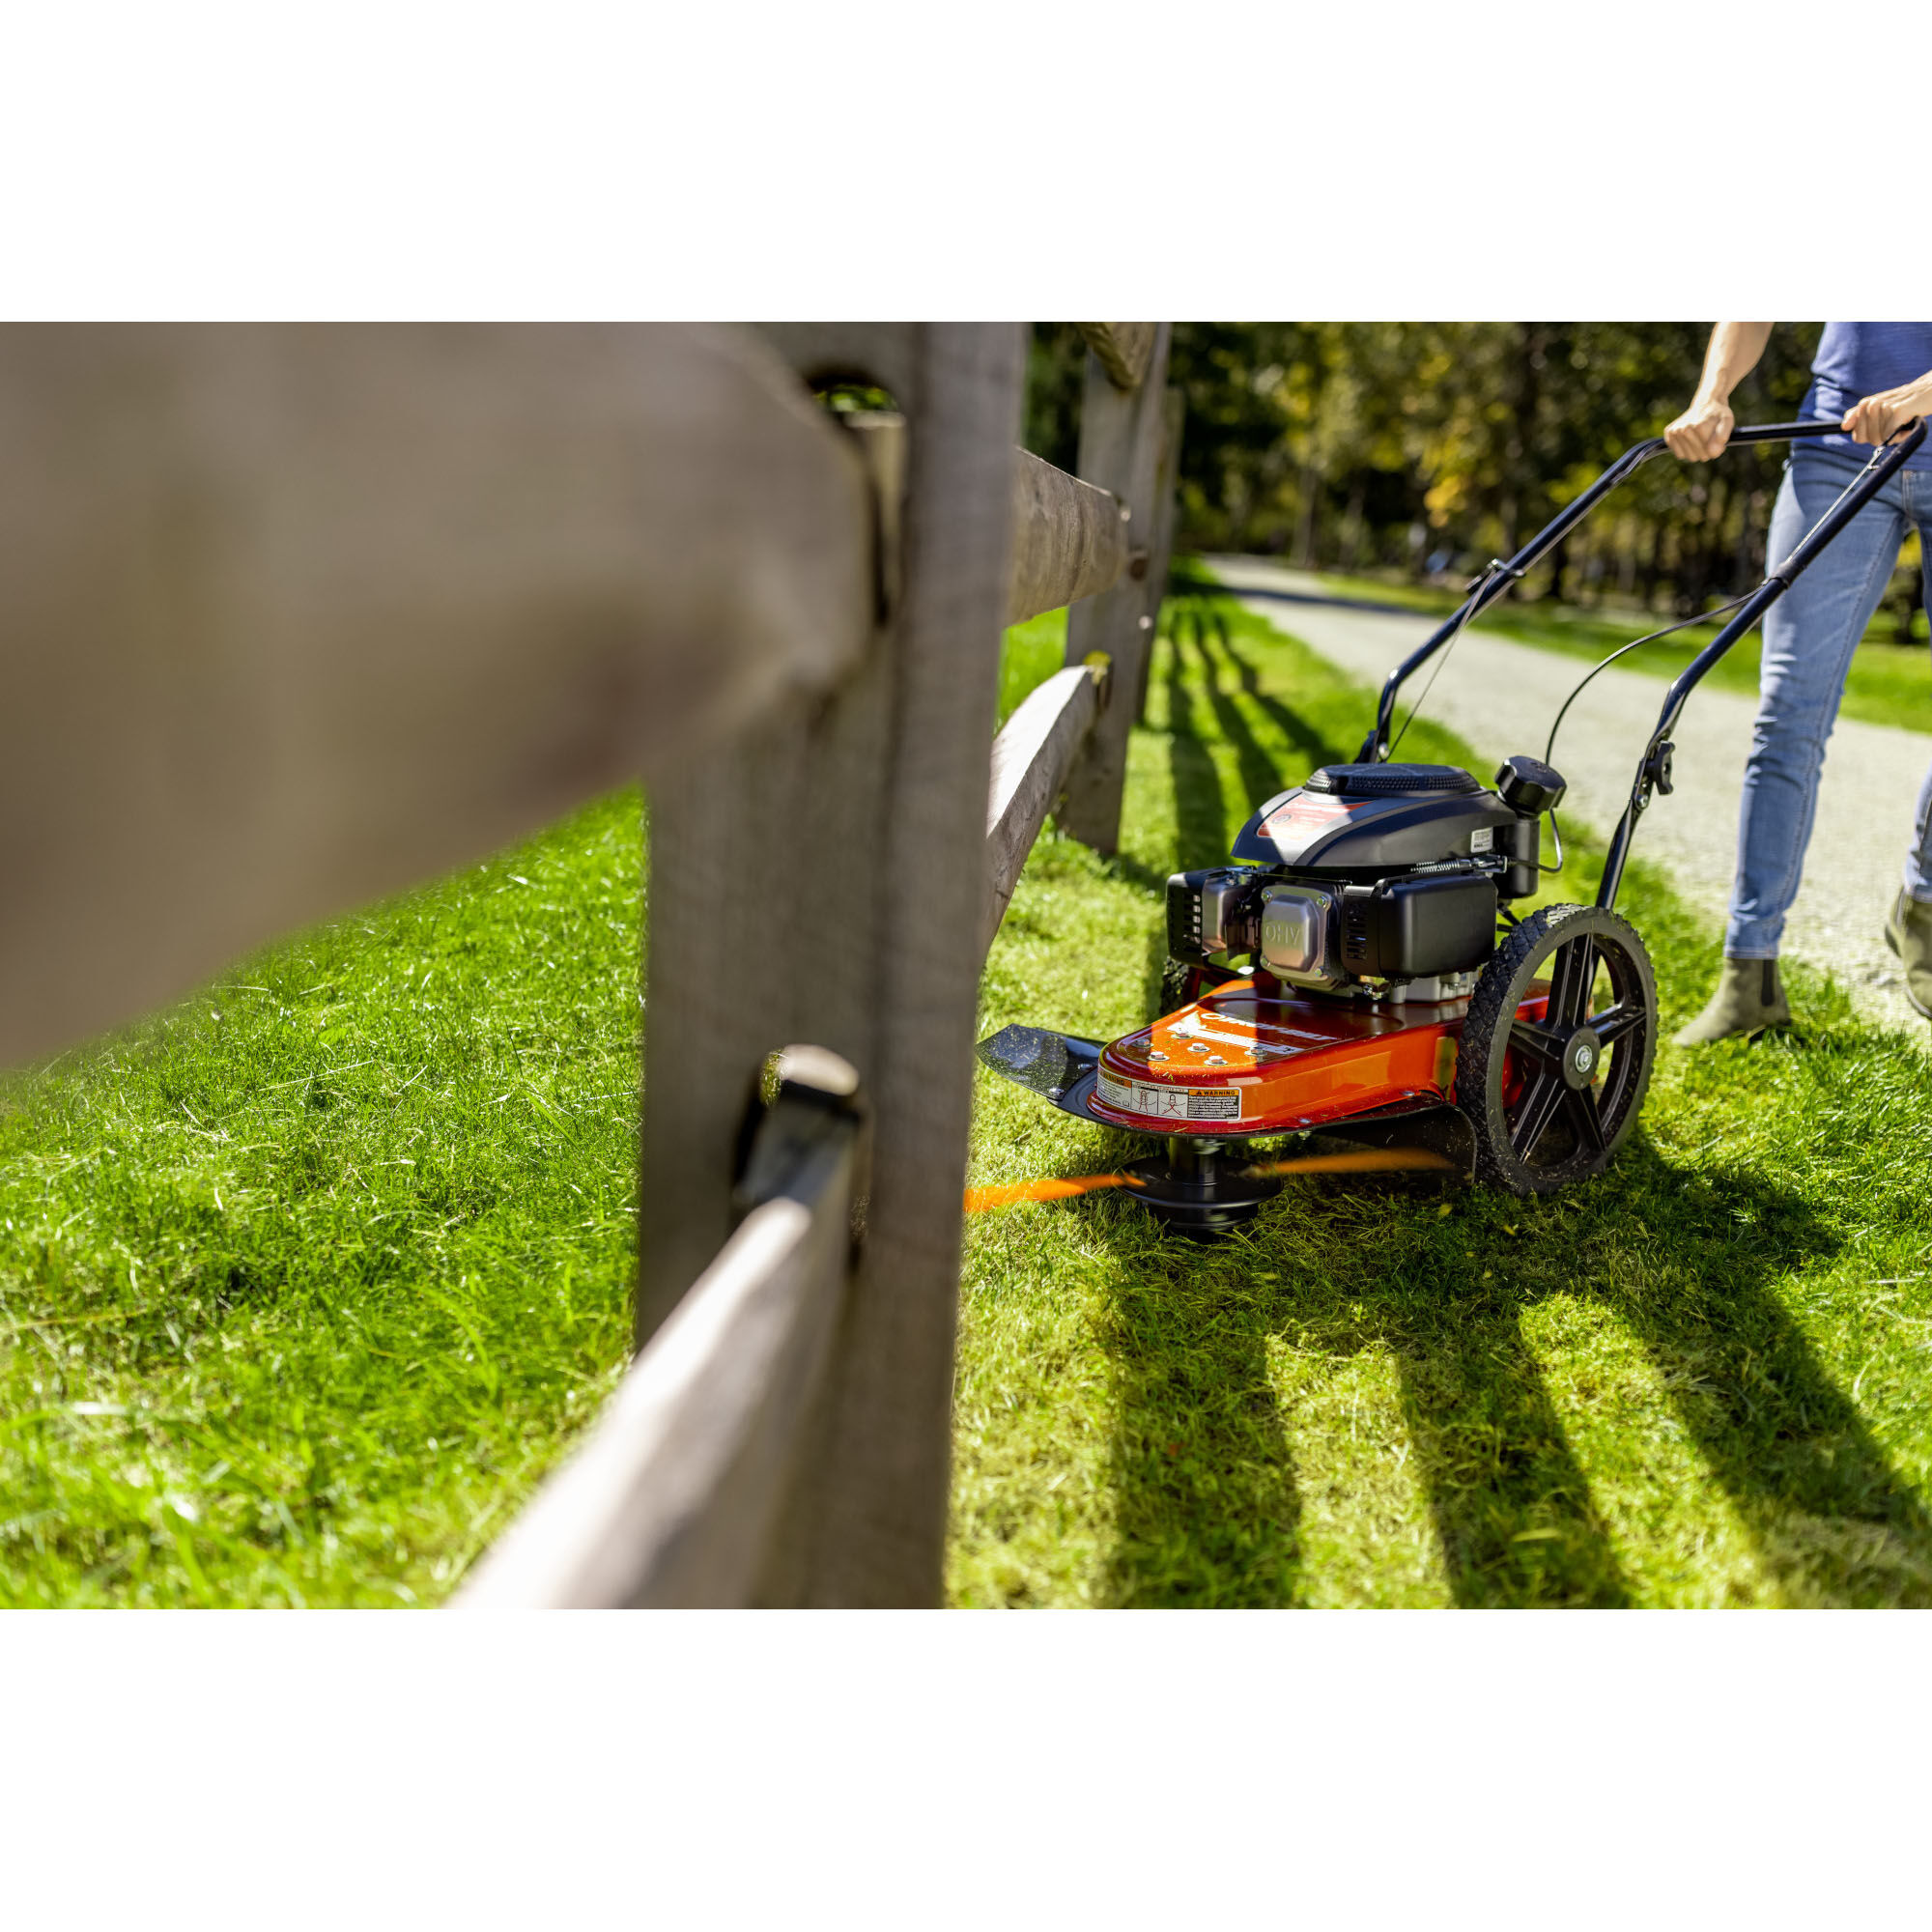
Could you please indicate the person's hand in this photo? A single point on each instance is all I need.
(1877, 418)
(1702, 431)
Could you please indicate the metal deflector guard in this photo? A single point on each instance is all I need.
(1058, 1066)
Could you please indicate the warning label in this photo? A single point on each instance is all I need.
(1171, 1103)
(1220, 1104)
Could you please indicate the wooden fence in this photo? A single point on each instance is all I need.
(356, 604)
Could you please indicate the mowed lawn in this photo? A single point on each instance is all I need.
(306, 1283)
(1705, 1378)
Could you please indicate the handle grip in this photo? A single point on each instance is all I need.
(1782, 431)
(1374, 745)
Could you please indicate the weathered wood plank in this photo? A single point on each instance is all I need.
(291, 618)
(1069, 539)
(762, 924)
(876, 1513)
(671, 1498)
(1031, 757)
(1119, 446)
(1125, 349)
(831, 881)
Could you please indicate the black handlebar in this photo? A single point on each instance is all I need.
(1500, 575)
(1654, 771)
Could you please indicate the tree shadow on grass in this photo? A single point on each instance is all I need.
(1207, 1503)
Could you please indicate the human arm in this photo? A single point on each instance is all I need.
(1875, 418)
(1703, 430)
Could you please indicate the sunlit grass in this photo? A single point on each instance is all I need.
(1704, 1378)
(304, 1283)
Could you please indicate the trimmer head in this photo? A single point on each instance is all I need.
(1201, 1188)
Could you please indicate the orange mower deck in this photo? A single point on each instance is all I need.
(1240, 1061)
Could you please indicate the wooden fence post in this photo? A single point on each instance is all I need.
(1120, 449)
(826, 882)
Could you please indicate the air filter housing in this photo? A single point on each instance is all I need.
(1392, 780)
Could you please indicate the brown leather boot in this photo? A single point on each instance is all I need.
(1749, 1000)
(1908, 931)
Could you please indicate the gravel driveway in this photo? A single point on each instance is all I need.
(1501, 697)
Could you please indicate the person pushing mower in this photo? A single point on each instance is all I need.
(1875, 377)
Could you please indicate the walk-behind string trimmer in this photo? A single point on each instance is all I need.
(1356, 973)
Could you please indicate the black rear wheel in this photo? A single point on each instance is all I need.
(1179, 984)
(1182, 982)
(1557, 1048)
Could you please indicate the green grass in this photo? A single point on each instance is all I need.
(306, 1283)
(1888, 683)
(1705, 1378)
(1030, 654)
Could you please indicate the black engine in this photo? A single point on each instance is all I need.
(1380, 873)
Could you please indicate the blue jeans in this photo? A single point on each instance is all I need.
(1809, 635)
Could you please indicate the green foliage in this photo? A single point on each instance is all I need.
(1423, 449)
(304, 1283)
(1700, 1379)
(1056, 375)
(1376, 442)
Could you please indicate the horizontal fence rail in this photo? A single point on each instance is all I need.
(672, 1498)
(1069, 539)
(1031, 760)
(291, 618)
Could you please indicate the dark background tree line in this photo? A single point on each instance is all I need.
(1420, 450)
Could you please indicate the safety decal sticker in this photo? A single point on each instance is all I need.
(1171, 1103)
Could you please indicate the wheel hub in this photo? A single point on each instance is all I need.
(1581, 1054)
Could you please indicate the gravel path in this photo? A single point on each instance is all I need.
(1501, 697)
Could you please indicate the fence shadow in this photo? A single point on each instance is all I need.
(1208, 1500)
(1201, 836)
(1295, 728)
(1262, 776)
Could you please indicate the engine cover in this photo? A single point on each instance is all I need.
(1366, 819)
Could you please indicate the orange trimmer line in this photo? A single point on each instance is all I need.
(1043, 1190)
(1370, 1160)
